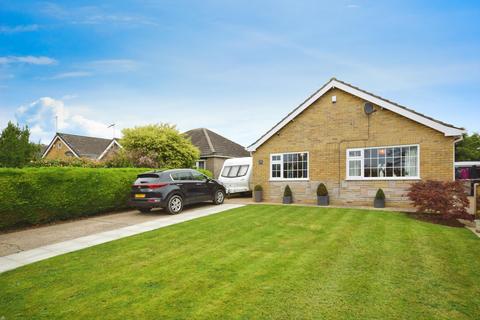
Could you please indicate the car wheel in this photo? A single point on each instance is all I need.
(219, 197)
(145, 210)
(175, 204)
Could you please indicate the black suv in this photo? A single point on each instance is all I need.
(172, 189)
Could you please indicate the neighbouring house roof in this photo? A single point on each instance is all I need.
(212, 144)
(445, 128)
(83, 146)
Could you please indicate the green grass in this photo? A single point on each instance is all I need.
(261, 262)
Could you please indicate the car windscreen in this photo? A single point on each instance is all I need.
(146, 178)
(234, 171)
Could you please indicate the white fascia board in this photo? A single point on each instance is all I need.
(57, 137)
(446, 130)
(108, 148)
(292, 116)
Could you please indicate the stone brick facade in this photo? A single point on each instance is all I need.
(59, 151)
(326, 130)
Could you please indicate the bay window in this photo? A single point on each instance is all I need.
(289, 166)
(384, 163)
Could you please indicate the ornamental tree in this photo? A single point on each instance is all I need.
(16, 150)
(159, 146)
(447, 199)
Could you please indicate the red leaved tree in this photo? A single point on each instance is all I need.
(447, 199)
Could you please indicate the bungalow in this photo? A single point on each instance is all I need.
(64, 146)
(355, 142)
(214, 149)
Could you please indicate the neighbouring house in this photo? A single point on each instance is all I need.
(64, 146)
(355, 142)
(214, 149)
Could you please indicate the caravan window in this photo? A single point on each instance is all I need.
(234, 171)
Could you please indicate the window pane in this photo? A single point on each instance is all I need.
(225, 171)
(197, 176)
(367, 153)
(366, 172)
(233, 171)
(243, 170)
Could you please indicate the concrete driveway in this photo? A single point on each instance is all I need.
(18, 241)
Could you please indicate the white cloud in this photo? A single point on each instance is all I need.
(38, 60)
(41, 115)
(353, 6)
(71, 74)
(19, 28)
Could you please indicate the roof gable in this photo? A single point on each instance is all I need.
(83, 146)
(213, 144)
(447, 129)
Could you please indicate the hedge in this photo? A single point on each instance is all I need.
(38, 195)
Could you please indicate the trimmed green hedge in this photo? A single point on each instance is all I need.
(38, 195)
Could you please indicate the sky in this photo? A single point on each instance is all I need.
(235, 67)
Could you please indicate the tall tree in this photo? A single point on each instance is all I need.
(16, 150)
(469, 148)
(159, 146)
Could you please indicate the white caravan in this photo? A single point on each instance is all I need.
(235, 175)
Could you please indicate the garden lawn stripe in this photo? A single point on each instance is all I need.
(268, 262)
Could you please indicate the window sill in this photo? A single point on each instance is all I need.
(286, 180)
(384, 179)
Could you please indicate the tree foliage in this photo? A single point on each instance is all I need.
(16, 150)
(159, 146)
(447, 199)
(469, 148)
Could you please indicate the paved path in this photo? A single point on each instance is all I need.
(16, 260)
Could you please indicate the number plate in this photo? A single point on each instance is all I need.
(139, 195)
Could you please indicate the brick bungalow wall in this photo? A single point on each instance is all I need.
(327, 129)
(58, 151)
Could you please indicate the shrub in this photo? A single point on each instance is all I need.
(287, 192)
(258, 188)
(15, 148)
(70, 162)
(447, 199)
(380, 195)
(322, 190)
(206, 172)
(38, 195)
(159, 146)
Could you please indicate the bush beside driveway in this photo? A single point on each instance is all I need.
(261, 262)
(38, 195)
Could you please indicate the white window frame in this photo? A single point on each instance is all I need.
(202, 161)
(362, 172)
(281, 178)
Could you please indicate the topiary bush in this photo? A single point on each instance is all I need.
(38, 195)
(447, 199)
(322, 190)
(287, 192)
(258, 188)
(380, 195)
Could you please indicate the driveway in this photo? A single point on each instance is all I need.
(18, 241)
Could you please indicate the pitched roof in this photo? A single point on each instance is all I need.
(83, 146)
(445, 128)
(213, 144)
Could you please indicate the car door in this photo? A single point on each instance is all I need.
(184, 180)
(203, 189)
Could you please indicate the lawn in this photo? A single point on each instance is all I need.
(261, 262)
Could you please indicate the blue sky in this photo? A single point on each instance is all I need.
(236, 67)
